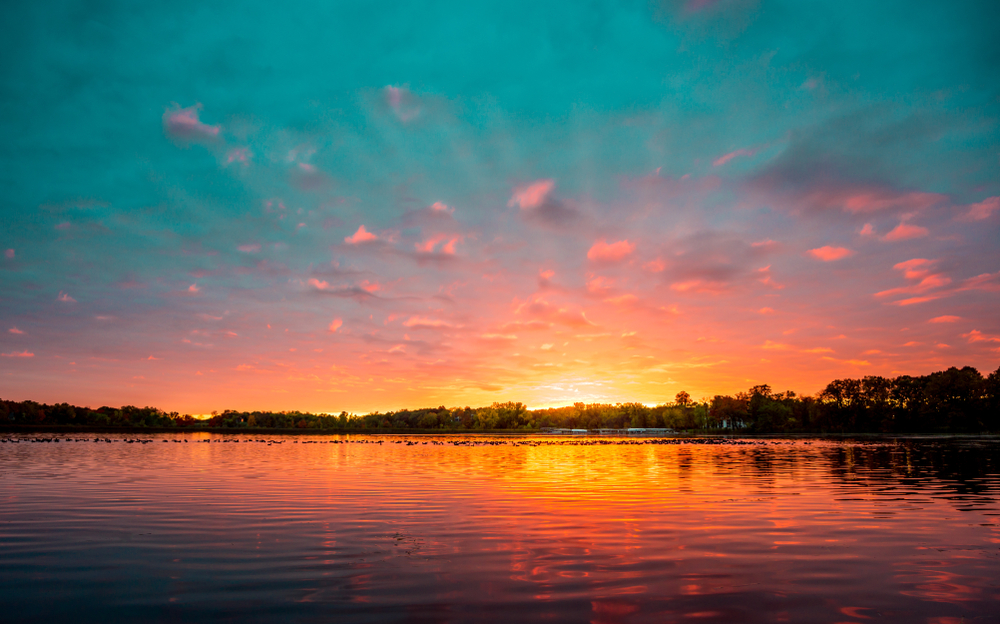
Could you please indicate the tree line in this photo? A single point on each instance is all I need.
(954, 400)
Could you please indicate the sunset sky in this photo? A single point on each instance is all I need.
(353, 206)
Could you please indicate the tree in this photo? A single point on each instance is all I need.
(683, 399)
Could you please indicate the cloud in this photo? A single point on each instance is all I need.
(828, 253)
(537, 204)
(183, 124)
(15, 330)
(945, 319)
(700, 286)
(982, 210)
(532, 195)
(447, 249)
(335, 325)
(501, 337)
(731, 155)
(602, 251)
(917, 269)
(8, 254)
(194, 289)
(307, 177)
(65, 298)
(240, 155)
(977, 336)
(867, 230)
(905, 231)
(249, 248)
(421, 322)
(403, 103)
(22, 354)
(985, 281)
(361, 237)
(543, 310)
(436, 215)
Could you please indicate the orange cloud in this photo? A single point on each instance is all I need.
(335, 324)
(613, 252)
(828, 253)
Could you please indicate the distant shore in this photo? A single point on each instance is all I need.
(63, 429)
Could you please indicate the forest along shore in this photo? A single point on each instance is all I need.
(950, 401)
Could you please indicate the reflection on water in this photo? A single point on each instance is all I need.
(255, 528)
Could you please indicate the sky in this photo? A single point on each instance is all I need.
(333, 206)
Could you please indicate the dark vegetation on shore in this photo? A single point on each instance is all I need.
(951, 401)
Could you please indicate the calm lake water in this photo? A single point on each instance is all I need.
(200, 527)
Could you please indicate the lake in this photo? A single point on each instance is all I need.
(255, 528)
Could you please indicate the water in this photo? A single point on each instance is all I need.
(200, 527)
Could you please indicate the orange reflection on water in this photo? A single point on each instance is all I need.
(611, 531)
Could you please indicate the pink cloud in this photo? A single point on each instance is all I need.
(65, 225)
(977, 336)
(183, 123)
(249, 248)
(731, 155)
(308, 177)
(626, 299)
(335, 324)
(767, 280)
(915, 300)
(532, 195)
(905, 231)
(541, 309)
(370, 287)
(194, 288)
(868, 199)
(655, 266)
(699, 286)
(317, 284)
(65, 298)
(945, 319)
(240, 155)
(402, 102)
(360, 237)
(982, 210)
(867, 230)
(873, 200)
(447, 249)
(15, 330)
(441, 207)
(917, 269)
(614, 252)
(985, 281)
(418, 322)
(599, 285)
(828, 253)
(18, 355)
(9, 253)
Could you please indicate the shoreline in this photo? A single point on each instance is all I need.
(63, 429)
